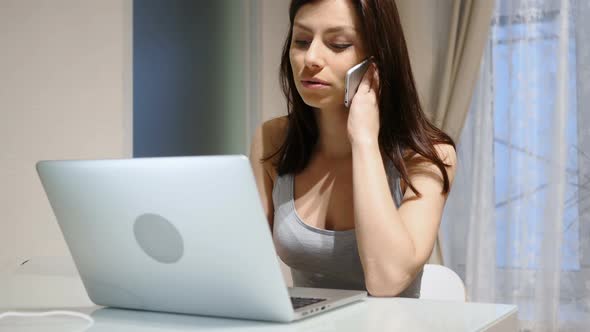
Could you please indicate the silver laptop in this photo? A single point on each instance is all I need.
(177, 234)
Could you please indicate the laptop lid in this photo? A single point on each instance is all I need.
(174, 234)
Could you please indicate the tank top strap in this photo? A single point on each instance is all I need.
(281, 191)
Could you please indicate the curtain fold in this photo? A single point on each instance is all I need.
(446, 39)
(467, 42)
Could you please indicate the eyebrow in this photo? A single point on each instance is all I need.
(328, 30)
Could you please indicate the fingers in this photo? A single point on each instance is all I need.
(365, 84)
(370, 80)
(375, 81)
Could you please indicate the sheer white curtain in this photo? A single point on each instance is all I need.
(522, 194)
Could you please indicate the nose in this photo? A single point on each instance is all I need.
(313, 57)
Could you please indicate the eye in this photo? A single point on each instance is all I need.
(341, 46)
(301, 42)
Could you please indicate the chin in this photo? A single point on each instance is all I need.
(322, 102)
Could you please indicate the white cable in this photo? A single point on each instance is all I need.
(89, 319)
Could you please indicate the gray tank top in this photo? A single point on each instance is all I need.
(318, 257)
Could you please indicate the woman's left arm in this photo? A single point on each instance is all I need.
(393, 243)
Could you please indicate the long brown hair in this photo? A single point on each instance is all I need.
(403, 125)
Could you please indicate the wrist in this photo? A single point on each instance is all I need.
(364, 143)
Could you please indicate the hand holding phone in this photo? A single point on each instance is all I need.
(353, 79)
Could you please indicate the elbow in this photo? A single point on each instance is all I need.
(376, 292)
(390, 286)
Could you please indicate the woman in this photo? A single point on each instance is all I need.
(354, 197)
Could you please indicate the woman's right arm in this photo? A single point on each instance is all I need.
(263, 171)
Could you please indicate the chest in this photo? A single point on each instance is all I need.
(324, 198)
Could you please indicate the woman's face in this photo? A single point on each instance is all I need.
(326, 43)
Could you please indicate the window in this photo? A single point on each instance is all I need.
(525, 61)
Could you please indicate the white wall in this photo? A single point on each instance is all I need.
(275, 26)
(65, 92)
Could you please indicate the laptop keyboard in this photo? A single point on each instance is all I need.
(299, 302)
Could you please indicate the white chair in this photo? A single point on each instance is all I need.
(441, 283)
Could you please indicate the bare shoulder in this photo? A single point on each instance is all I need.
(419, 166)
(274, 130)
(268, 138)
(445, 152)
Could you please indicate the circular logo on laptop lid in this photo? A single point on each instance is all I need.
(158, 238)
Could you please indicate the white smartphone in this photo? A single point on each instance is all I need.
(354, 77)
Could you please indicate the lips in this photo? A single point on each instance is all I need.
(314, 81)
(314, 86)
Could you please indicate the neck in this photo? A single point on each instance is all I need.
(333, 142)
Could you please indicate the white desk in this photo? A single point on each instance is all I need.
(28, 290)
